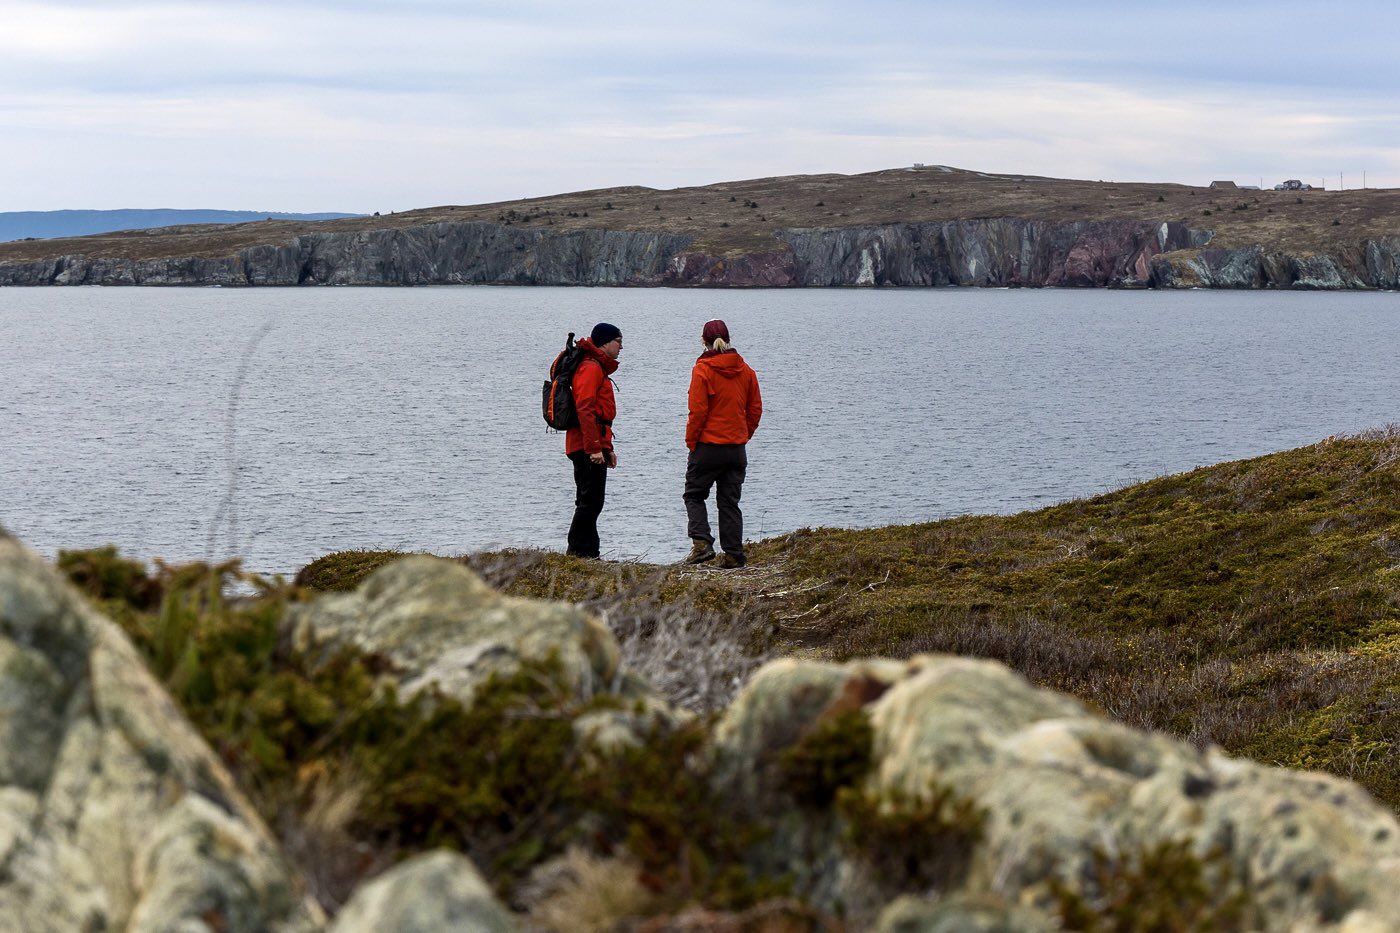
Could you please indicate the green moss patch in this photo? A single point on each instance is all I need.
(344, 570)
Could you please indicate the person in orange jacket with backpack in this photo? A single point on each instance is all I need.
(725, 408)
(590, 444)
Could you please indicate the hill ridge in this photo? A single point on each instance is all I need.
(58, 224)
(927, 225)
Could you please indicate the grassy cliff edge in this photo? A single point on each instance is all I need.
(1254, 605)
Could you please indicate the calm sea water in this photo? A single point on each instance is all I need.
(280, 425)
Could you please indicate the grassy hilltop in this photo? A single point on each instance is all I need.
(732, 218)
(1252, 604)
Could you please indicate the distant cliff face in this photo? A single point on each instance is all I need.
(997, 252)
(994, 252)
(432, 254)
(1373, 264)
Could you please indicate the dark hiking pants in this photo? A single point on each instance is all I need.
(590, 484)
(721, 466)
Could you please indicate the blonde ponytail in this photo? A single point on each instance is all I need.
(720, 345)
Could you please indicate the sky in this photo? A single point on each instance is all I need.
(359, 106)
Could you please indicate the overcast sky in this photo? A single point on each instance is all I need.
(351, 105)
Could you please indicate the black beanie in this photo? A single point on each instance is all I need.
(604, 333)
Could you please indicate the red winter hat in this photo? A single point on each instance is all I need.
(714, 329)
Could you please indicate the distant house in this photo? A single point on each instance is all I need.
(1224, 186)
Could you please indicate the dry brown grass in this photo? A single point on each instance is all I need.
(319, 839)
(742, 216)
(581, 892)
(683, 630)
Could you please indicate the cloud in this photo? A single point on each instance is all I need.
(359, 105)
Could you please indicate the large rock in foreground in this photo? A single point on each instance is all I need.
(114, 813)
(440, 626)
(1072, 806)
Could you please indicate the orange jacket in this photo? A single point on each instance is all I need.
(594, 401)
(725, 405)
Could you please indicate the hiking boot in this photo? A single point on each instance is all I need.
(729, 561)
(700, 552)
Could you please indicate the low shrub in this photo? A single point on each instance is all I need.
(657, 800)
(104, 576)
(834, 754)
(913, 842)
(1161, 888)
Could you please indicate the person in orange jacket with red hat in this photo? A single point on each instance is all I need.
(725, 408)
(590, 445)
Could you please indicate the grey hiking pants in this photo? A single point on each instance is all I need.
(721, 466)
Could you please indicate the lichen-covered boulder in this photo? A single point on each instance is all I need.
(1047, 805)
(439, 623)
(431, 893)
(114, 813)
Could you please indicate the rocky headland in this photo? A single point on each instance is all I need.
(924, 226)
(399, 743)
